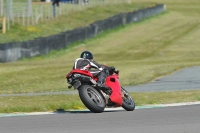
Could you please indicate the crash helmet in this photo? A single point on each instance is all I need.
(86, 55)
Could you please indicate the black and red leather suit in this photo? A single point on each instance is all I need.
(97, 70)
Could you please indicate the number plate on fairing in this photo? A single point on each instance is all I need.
(77, 84)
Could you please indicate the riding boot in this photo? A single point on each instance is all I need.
(101, 79)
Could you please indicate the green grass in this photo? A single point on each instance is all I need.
(142, 52)
(73, 102)
(140, 56)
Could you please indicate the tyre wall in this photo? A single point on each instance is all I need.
(16, 50)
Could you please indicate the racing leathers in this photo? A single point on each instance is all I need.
(97, 70)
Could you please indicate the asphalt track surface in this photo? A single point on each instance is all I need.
(180, 119)
(184, 79)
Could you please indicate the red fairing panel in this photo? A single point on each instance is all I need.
(84, 72)
(113, 83)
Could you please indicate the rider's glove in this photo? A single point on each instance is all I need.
(111, 69)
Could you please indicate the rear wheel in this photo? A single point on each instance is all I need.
(92, 99)
(127, 103)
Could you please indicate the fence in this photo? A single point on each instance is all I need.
(1, 7)
(3, 24)
(31, 13)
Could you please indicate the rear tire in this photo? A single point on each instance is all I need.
(92, 99)
(128, 103)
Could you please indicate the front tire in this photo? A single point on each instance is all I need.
(92, 99)
(128, 103)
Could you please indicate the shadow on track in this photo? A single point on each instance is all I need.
(62, 111)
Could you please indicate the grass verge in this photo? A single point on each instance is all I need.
(140, 56)
(73, 102)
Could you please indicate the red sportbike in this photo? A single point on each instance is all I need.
(95, 98)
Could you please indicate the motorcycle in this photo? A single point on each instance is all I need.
(97, 99)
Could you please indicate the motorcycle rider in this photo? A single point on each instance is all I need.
(86, 62)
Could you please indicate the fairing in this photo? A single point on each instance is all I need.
(84, 72)
(113, 83)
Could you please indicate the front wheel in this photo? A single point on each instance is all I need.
(127, 103)
(92, 99)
